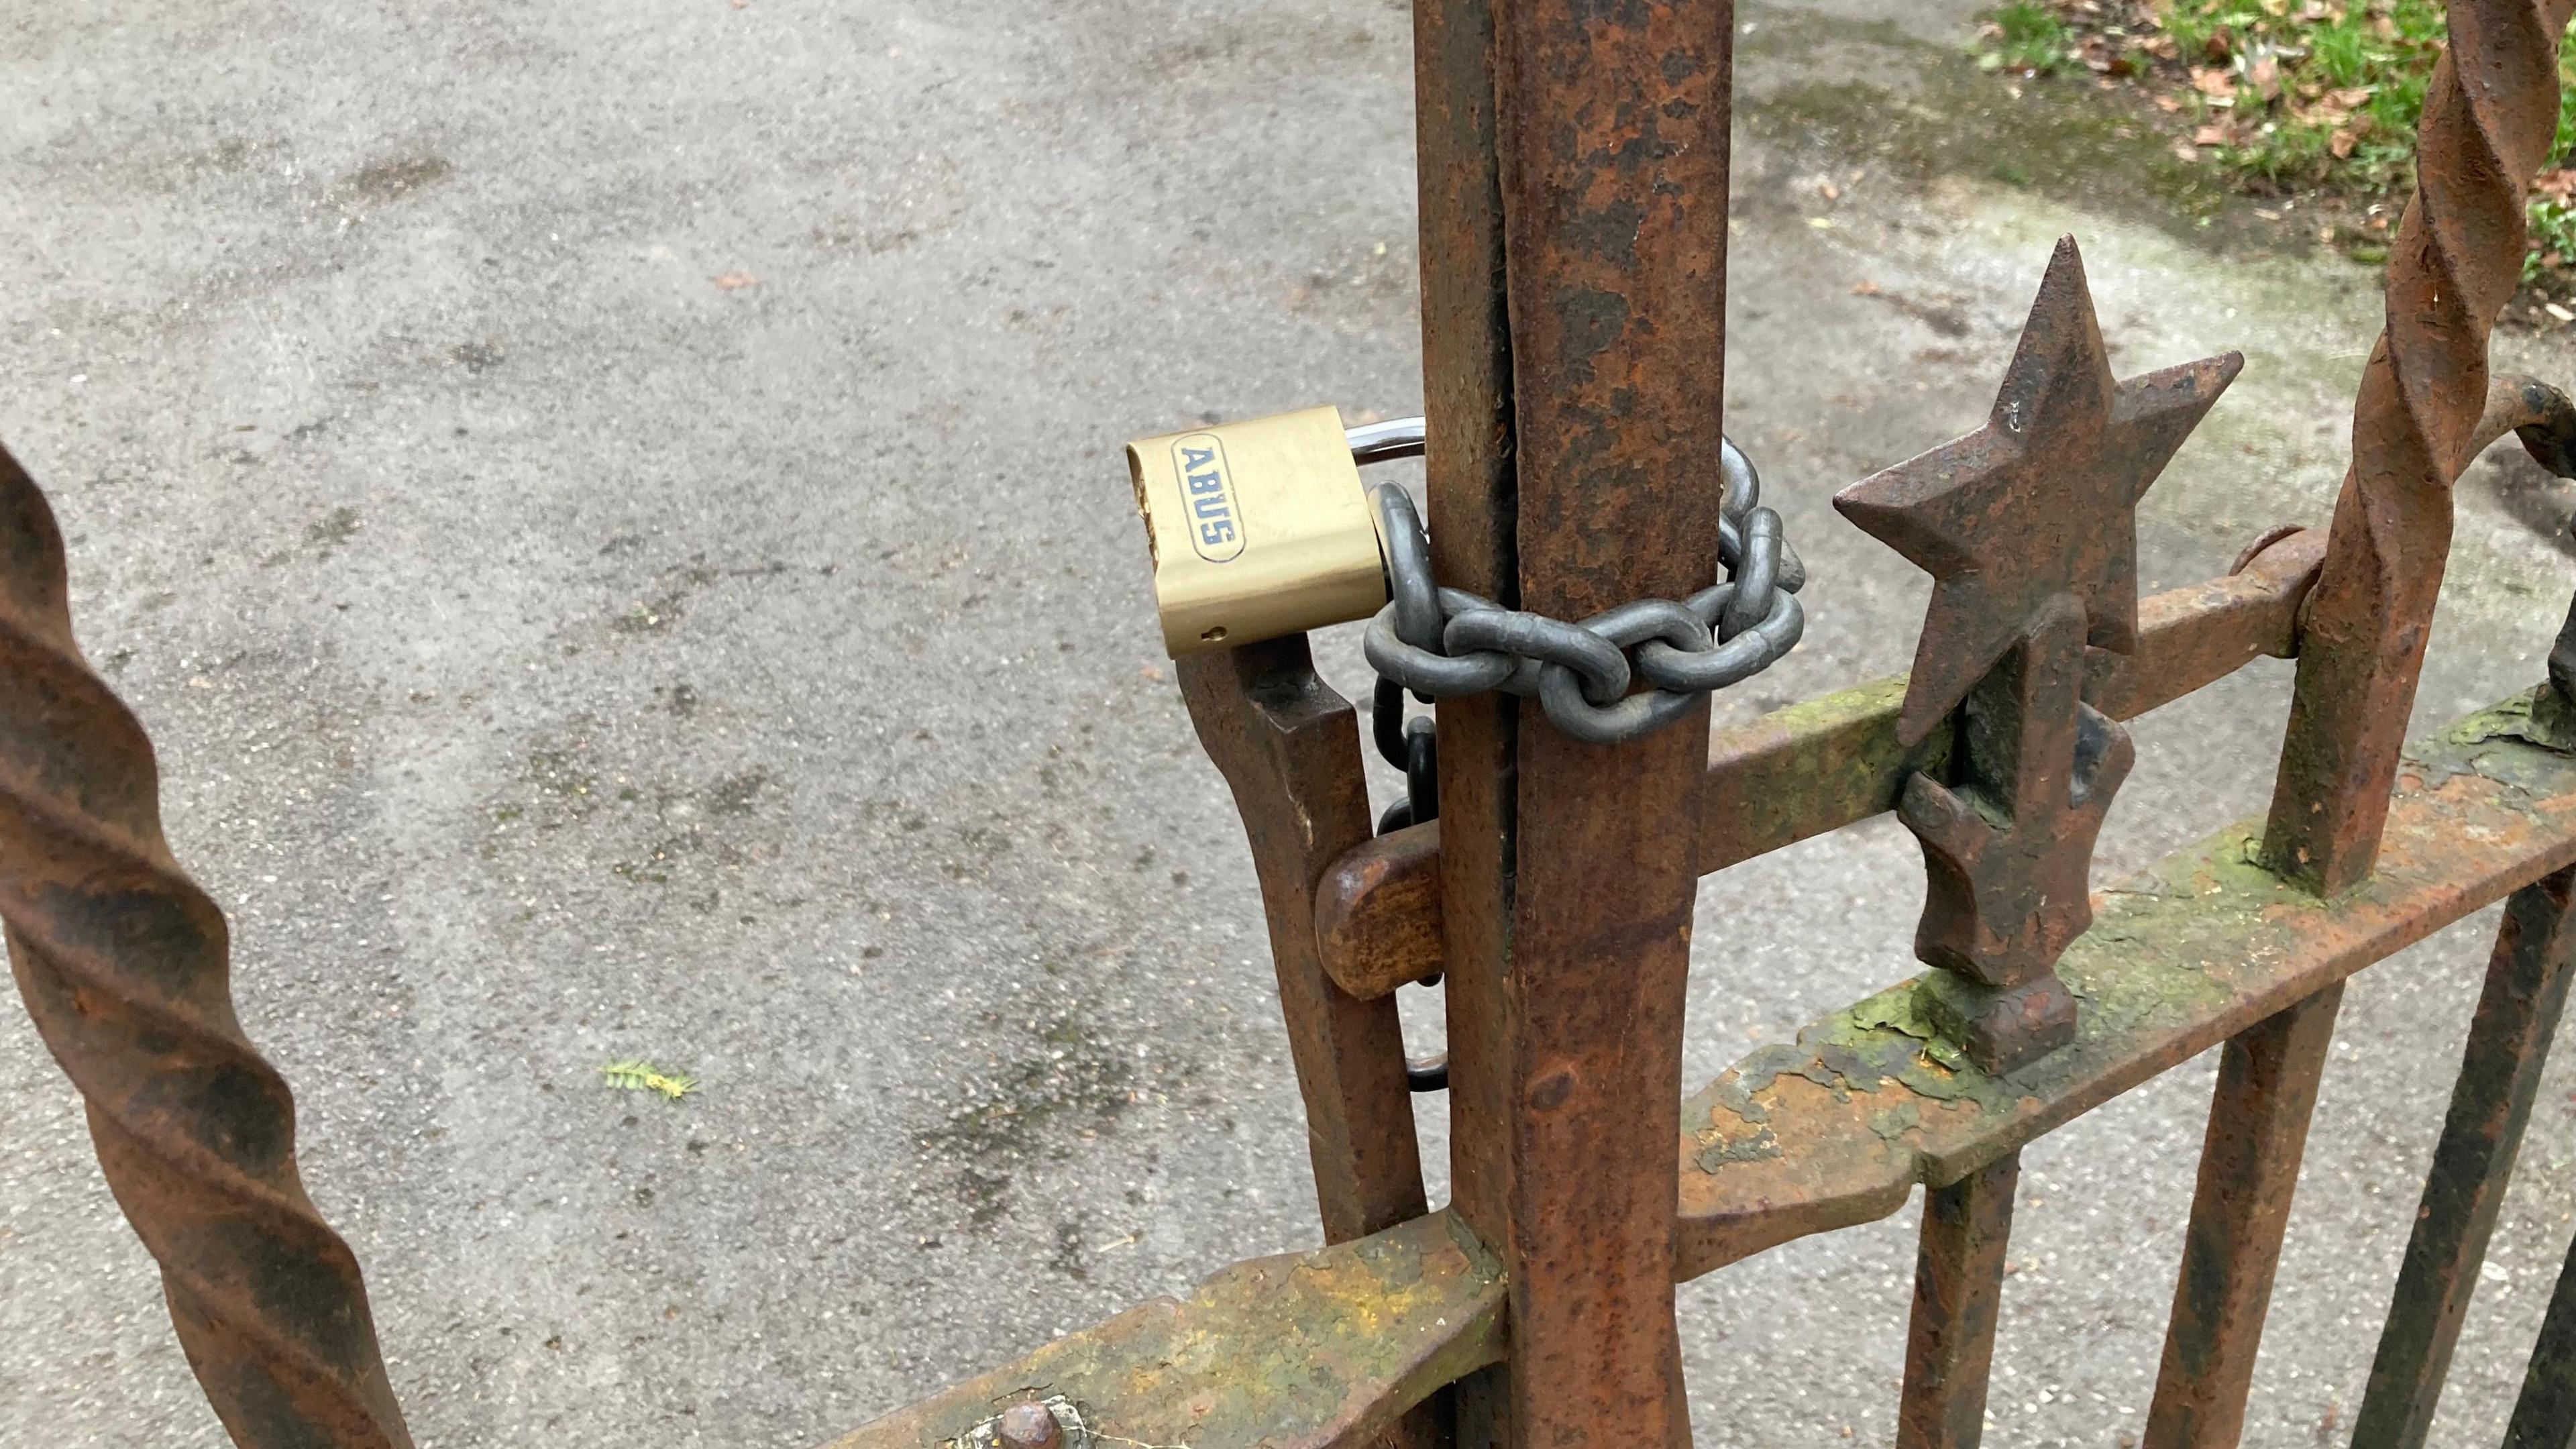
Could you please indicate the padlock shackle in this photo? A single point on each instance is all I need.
(1387, 441)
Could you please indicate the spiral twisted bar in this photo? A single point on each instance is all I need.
(123, 962)
(2490, 118)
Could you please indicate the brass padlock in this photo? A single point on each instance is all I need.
(1258, 529)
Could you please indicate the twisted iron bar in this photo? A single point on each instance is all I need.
(123, 963)
(2490, 119)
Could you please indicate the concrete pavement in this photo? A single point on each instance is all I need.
(613, 516)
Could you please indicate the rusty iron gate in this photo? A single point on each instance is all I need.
(1573, 200)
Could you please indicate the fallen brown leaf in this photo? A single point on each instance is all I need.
(2212, 136)
(2266, 76)
(2168, 104)
(2341, 143)
(2214, 83)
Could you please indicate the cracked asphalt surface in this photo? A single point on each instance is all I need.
(612, 514)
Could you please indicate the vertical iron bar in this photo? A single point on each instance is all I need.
(1290, 748)
(2499, 1072)
(2545, 1416)
(1467, 404)
(1568, 871)
(125, 964)
(2457, 259)
(1958, 1292)
(2249, 1168)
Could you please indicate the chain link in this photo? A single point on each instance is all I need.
(1441, 643)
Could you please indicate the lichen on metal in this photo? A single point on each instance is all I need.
(1302, 1351)
(2179, 958)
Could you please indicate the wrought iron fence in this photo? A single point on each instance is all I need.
(1574, 190)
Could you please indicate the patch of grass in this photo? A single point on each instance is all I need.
(637, 1075)
(2030, 39)
(2553, 227)
(2282, 96)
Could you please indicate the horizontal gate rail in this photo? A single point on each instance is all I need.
(1838, 1129)
(1812, 768)
(1300, 1351)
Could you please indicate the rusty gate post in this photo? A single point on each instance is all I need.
(1568, 870)
(1467, 408)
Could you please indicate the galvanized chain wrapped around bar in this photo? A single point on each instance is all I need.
(2489, 123)
(1444, 642)
(123, 963)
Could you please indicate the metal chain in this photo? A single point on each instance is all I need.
(1441, 643)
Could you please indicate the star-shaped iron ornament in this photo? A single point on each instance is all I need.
(2037, 504)
(2029, 529)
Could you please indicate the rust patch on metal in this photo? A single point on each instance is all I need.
(1302, 1351)
(2456, 260)
(2028, 527)
(1290, 748)
(1377, 912)
(125, 965)
(2178, 959)
(1814, 767)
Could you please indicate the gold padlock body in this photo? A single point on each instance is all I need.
(1258, 529)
